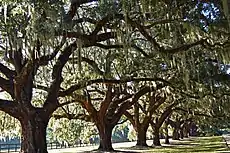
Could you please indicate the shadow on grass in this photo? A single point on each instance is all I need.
(197, 144)
(192, 145)
(114, 151)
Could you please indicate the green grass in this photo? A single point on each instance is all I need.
(189, 145)
(194, 145)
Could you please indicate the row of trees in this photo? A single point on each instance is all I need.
(139, 59)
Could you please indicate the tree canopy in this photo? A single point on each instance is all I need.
(104, 57)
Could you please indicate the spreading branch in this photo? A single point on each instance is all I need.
(7, 72)
(84, 84)
(46, 58)
(203, 42)
(159, 100)
(52, 98)
(106, 102)
(9, 107)
(165, 114)
(127, 104)
(129, 117)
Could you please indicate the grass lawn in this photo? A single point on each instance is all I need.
(188, 145)
(194, 145)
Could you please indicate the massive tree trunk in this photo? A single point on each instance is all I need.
(141, 137)
(33, 139)
(105, 133)
(156, 138)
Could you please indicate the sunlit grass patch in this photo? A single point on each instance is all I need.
(195, 144)
(213, 144)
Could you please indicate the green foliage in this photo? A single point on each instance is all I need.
(69, 131)
(171, 24)
(120, 133)
(9, 126)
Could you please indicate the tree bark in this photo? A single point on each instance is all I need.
(141, 137)
(33, 139)
(182, 133)
(166, 135)
(175, 134)
(105, 133)
(156, 138)
(186, 130)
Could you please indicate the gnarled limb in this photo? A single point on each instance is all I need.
(84, 84)
(10, 107)
(51, 103)
(24, 81)
(106, 102)
(7, 72)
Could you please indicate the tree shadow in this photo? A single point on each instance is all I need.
(114, 151)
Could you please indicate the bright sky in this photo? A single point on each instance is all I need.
(228, 71)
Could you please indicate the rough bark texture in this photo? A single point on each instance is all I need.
(156, 138)
(33, 133)
(141, 137)
(105, 133)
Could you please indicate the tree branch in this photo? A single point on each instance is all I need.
(85, 19)
(166, 113)
(9, 107)
(84, 84)
(75, 4)
(142, 109)
(115, 103)
(126, 104)
(7, 85)
(46, 58)
(122, 46)
(120, 111)
(185, 47)
(142, 30)
(51, 103)
(122, 121)
(157, 104)
(91, 63)
(72, 116)
(89, 40)
(7, 72)
(130, 117)
(106, 102)
(87, 104)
